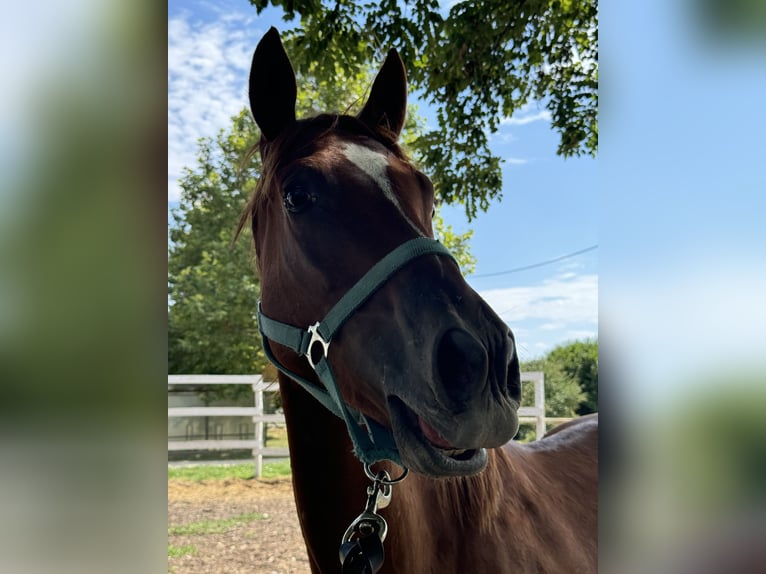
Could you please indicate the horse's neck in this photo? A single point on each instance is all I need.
(328, 481)
(461, 517)
(515, 516)
(524, 511)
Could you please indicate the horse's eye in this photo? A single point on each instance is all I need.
(297, 198)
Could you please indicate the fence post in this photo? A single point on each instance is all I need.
(540, 404)
(258, 393)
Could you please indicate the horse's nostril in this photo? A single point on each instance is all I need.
(462, 364)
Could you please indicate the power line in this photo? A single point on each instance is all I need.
(534, 265)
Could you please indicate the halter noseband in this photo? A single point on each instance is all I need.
(377, 442)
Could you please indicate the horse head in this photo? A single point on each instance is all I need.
(424, 356)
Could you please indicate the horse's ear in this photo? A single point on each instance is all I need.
(272, 86)
(387, 104)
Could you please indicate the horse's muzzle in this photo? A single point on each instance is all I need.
(472, 406)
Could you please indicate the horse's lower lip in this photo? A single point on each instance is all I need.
(419, 452)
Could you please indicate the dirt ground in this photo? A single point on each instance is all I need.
(270, 544)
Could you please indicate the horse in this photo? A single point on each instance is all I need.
(422, 371)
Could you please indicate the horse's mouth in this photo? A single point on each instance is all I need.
(423, 449)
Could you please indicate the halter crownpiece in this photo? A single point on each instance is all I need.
(376, 442)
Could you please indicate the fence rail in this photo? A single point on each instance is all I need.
(534, 413)
(256, 444)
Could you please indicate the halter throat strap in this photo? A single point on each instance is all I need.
(375, 442)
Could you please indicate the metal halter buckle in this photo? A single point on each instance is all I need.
(316, 338)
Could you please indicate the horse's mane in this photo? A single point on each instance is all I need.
(299, 140)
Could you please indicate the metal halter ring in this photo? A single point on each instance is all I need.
(372, 476)
(316, 338)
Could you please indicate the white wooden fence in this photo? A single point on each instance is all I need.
(534, 413)
(256, 444)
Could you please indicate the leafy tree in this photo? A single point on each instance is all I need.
(571, 381)
(476, 65)
(212, 285)
(457, 243)
(578, 361)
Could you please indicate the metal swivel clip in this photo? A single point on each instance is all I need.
(370, 522)
(361, 550)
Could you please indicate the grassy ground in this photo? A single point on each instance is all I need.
(206, 474)
(183, 550)
(243, 471)
(215, 526)
(276, 435)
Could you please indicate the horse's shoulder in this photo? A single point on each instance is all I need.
(579, 435)
(587, 424)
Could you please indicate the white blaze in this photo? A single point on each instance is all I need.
(375, 164)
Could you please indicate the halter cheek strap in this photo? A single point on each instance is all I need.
(375, 442)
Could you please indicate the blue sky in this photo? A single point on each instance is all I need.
(549, 205)
(682, 196)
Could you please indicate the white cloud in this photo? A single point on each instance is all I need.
(516, 160)
(542, 316)
(526, 115)
(561, 301)
(208, 64)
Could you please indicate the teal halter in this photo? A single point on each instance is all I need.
(376, 442)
